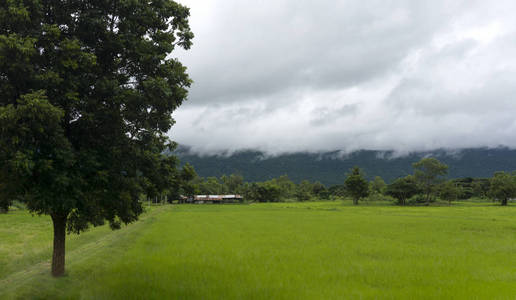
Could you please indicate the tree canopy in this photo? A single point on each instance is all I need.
(502, 187)
(87, 89)
(449, 191)
(429, 172)
(402, 189)
(356, 185)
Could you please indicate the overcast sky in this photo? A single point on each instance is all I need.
(292, 75)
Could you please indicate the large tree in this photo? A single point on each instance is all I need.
(429, 172)
(87, 89)
(356, 185)
(402, 189)
(449, 191)
(502, 187)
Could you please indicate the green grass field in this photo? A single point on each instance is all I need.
(315, 250)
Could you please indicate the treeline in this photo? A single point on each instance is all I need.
(273, 190)
(426, 185)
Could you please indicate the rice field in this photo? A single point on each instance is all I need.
(313, 250)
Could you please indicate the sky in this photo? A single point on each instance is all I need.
(314, 76)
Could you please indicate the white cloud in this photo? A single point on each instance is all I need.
(291, 76)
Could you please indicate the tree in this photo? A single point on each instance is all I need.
(233, 183)
(377, 186)
(211, 186)
(402, 189)
(480, 187)
(304, 191)
(356, 185)
(337, 190)
(188, 186)
(320, 191)
(287, 187)
(267, 191)
(502, 187)
(429, 172)
(87, 90)
(183, 184)
(449, 191)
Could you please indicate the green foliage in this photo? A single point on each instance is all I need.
(87, 90)
(188, 175)
(211, 186)
(356, 185)
(429, 172)
(480, 187)
(377, 186)
(403, 189)
(233, 183)
(287, 187)
(320, 191)
(449, 191)
(267, 191)
(183, 184)
(304, 191)
(502, 187)
(338, 190)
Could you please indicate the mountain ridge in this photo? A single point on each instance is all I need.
(331, 167)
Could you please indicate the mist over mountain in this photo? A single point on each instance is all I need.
(331, 167)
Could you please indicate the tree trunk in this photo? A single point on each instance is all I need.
(58, 256)
(355, 201)
(504, 201)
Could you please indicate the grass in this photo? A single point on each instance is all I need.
(315, 250)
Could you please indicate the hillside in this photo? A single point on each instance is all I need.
(330, 168)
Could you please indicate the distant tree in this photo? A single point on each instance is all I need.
(464, 186)
(304, 191)
(320, 191)
(502, 187)
(449, 191)
(87, 90)
(429, 172)
(287, 187)
(250, 191)
(480, 187)
(356, 185)
(377, 186)
(211, 186)
(187, 186)
(268, 191)
(402, 189)
(232, 183)
(338, 190)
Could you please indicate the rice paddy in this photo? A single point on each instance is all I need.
(312, 250)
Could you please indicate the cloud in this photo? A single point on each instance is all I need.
(288, 76)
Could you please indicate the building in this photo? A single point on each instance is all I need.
(215, 199)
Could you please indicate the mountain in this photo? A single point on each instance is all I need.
(331, 167)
